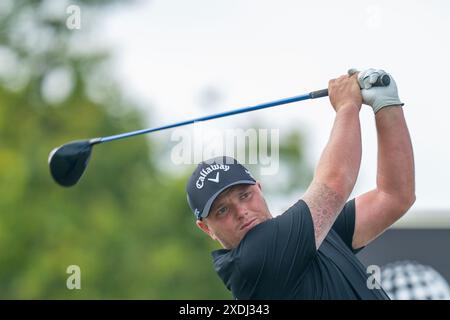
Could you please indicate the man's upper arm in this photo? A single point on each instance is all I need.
(325, 203)
(375, 211)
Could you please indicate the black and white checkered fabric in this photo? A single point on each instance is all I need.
(409, 280)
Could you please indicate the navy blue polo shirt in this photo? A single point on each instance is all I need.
(277, 259)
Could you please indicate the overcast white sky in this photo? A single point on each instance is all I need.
(168, 52)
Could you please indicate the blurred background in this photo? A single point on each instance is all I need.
(73, 70)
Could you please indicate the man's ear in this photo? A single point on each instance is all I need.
(258, 184)
(204, 227)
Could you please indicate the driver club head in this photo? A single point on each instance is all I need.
(69, 161)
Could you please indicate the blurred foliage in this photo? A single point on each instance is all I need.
(126, 224)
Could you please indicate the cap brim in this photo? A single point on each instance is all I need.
(208, 204)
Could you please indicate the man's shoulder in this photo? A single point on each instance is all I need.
(275, 234)
(298, 213)
(268, 238)
(256, 237)
(241, 266)
(299, 207)
(249, 248)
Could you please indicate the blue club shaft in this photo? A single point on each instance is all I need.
(214, 116)
(383, 80)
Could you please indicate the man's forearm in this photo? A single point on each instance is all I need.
(395, 173)
(340, 161)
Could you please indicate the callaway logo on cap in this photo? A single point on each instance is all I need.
(210, 178)
(206, 171)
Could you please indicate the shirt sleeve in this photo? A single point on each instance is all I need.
(275, 255)
(345, 224)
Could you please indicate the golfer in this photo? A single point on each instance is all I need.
(308, 252)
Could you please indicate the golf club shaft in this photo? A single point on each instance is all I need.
(311, 95)
(383, 80)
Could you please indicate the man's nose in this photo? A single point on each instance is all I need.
(241, 210)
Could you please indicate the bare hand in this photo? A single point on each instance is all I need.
(345, 92)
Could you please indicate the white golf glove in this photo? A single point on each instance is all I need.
(377, 97)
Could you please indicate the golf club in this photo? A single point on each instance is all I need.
(68, 162)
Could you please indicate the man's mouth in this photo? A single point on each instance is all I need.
(248, 224)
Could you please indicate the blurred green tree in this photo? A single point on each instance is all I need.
(127, 225)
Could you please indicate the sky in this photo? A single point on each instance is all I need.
(170, 54)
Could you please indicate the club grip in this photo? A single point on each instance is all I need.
(319, 94)
(382, 81)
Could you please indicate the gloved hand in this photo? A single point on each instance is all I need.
(377, 97)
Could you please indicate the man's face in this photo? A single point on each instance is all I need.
(234, 212)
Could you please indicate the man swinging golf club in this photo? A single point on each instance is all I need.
(308, 252)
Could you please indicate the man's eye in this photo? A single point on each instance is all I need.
(222, 210)
(245, 195)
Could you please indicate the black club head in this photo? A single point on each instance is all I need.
(68, 162)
